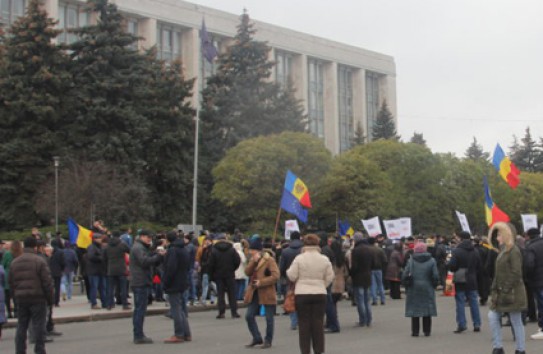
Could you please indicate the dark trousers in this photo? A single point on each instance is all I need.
(310, 310)
(332, 322)
(395, 291)
(532, 312)
(117, 283)
(56, 282)
(141, 295)
(35, 314)
(253, 310)
(227, 285)
(426, 325)
(7, 293)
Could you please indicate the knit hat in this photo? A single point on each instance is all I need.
(255, 244)
(420, 247)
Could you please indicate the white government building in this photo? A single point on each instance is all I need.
(341, 86)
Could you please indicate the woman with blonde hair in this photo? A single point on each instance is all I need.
(312, 273)
(507, 293)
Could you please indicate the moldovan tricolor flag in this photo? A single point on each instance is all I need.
(79, 235)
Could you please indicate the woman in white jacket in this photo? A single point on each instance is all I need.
(313, 273)
(241, 278)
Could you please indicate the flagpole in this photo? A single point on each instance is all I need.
(277, 222)
(195, 177)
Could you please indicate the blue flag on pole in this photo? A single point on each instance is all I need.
(208, 49)
(291, 204)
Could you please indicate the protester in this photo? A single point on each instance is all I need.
(466, 264)
(362, 260)
(394, 269)
(340, 270)
(312, 273)
(114, 258)
(223, 263)
(263, 274)
(174, 279)
(507, 292)
(533, 266)
(32, 286)
(57, 264)
(420, 294)
(96, 271)
(15, 250)
(142, 261)
(332, 322)
(481, 246)
(208, 286)
(379, 263)
(241, 278)
(70, 269)
(287, 257)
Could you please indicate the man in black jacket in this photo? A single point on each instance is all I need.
(32, 286)
(466, 264)
(362, 259)
(96, 272)
(57, 265)
(223, 263)
(287, 257)
(174, 280)
(533, 266)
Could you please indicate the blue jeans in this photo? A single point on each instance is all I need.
(68, 284)
(332, 322)
(141, 296)
(180, 323)
(206, 285)
(191, 286)
(253, 310)
(460, 298)
(362, 296)
(494, 321)
(538, 295)
(293, 319)
(377, 287)
(97, 284)
(114, 282)
(240, 288)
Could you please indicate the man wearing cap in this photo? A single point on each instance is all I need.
(32, 286)
(142, 261)
(223, 263)
(264, 273)
(533, 267)
(96, 271)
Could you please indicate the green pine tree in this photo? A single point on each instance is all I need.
(359, 137)
(33, 83)
(475, 152)
(385, 127)
(526, 155)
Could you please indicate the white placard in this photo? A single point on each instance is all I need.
(529, 221)
(393, 229)
(463, 221)
(290, 226)
(405, 227)
(372, 226)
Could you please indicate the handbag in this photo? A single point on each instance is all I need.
(289, 305)
(407, 280)
(460, 276)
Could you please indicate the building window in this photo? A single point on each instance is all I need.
(168, 43)
(10, 10)
(372, 100)
(316, 97)
(71, 16)
(283, 68)
(345, 98)
(132, 28)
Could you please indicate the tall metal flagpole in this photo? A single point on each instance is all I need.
(195, 177)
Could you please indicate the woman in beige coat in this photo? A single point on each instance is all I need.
(312, 273)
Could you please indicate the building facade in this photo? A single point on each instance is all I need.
(341, 86)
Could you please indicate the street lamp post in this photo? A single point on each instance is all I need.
(56, 160)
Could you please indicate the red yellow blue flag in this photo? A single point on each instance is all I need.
(493, 214)
(509, 172)
(79, 235)
(298, 189)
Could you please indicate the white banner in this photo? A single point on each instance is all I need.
(290, 226)
(463, 221)
(405, 227)
(393, 229)
(372, 226)
(529, 221)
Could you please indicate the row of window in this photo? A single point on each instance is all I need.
(169, 39)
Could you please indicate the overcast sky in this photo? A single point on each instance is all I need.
(465, 68)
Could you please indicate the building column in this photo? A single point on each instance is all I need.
(191, 57)
(331, 108)
(359, 100)
(300, 79)
(147, 29)
(51, 7)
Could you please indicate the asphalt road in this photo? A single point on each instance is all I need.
(390, 333)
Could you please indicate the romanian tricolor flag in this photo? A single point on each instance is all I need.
(492, 212)
(345, 228)
(298, 189)
(79, 235)
(505, 167)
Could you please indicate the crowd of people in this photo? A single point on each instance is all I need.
(502, 270)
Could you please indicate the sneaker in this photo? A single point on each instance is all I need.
(538, 335)
(143, 340)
